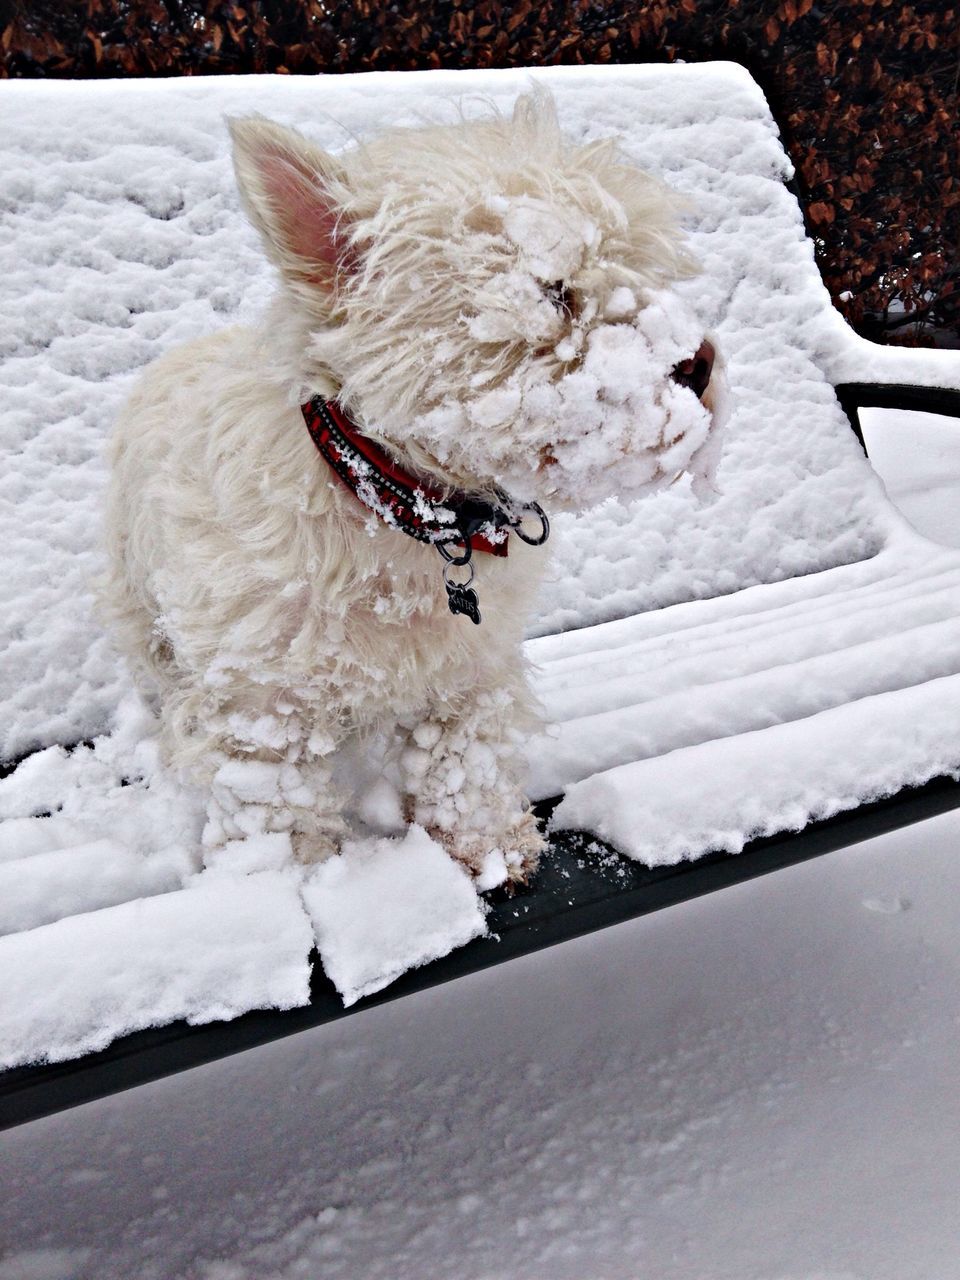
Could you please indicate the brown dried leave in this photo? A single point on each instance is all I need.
(821, 214)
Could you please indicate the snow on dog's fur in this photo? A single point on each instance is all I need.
(487, 301)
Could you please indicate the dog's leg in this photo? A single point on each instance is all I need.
(251, 796)
(267, 765)
(463, 771)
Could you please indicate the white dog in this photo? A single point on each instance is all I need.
(473, 327)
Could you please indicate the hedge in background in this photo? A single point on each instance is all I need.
(866, 90)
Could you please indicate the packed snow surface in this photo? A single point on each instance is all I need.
(214, 951)
(785, 619)
(917, 454)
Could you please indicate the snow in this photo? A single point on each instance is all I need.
(83, 878)
(704, 725)
(721, 793)
(387, 906)
(43, 1264)
(756, 1085)
(616, 409)
(706, 671)
(786, 615)
(918, 458)
(212, 951)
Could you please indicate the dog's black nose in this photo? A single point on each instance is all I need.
(696, 373)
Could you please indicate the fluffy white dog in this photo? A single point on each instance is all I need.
(473, 326)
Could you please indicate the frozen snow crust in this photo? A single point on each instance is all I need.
(804, 654)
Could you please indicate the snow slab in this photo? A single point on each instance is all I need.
(212, 951)
(385, 906)
(695, 728)
(67, 881)
(918, 456)
(720, 794)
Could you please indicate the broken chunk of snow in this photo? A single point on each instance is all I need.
(493, 872)
(384, 906)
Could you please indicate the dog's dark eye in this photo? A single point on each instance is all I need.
(561, 297)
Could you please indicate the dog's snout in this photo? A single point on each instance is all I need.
(696, 372)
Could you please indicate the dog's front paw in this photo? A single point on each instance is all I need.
(522, 848)
(511, 858)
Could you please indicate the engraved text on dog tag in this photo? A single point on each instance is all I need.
(463, 599)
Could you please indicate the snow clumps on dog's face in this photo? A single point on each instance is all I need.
(492, 299)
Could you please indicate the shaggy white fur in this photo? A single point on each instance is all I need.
(484, 300)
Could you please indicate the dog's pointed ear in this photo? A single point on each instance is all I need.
(289, 190)
(535, 114)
